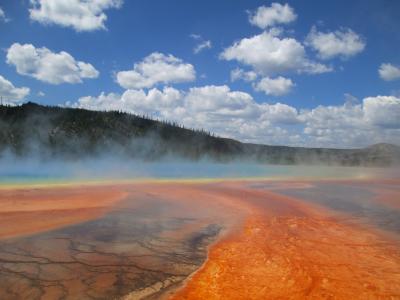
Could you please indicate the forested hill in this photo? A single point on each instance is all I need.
(68, 133)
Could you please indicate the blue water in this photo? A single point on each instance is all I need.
(18, 171)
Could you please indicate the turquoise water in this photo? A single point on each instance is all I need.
(34, 171)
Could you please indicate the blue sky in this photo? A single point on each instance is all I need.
(350, 103)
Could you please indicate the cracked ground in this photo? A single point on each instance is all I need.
(131, 248)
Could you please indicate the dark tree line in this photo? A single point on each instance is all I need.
(75, 133)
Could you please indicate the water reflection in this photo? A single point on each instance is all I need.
(359, 201)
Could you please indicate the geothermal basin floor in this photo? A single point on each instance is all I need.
(210, 239)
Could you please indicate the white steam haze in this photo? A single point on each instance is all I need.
(17, 170)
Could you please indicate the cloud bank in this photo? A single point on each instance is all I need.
(236, 114)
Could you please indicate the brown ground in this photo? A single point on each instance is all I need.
(26, 211)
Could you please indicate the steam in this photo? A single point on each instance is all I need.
(15, 169)
(53, 143)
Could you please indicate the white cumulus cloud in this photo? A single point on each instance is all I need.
(343, 43)
(278, 86)
(374, 120)
(389, 72)
(156, 68)
(85, 15)
(269, 54)
(218, 109)
(267, 16)
(383, 111)
(10, 94)
(219, 100)
(48, 66)
(153, 103)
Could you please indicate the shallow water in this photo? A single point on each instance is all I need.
(38, 172)
(357, 201)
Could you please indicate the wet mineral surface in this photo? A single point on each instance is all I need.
(139, 247)
(226, 239)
